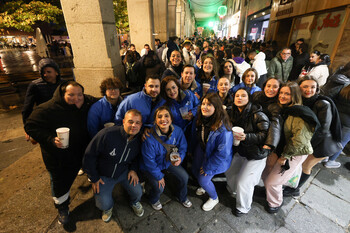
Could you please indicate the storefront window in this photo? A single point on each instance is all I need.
(319, 31)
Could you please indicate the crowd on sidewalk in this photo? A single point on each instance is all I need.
(202, 108)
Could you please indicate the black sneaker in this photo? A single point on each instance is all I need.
(291, 192)
(63, 216)
(238, 213)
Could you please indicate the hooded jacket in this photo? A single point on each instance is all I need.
(319, 72)
(255, 124)
(55, 113)
(279, 68)
(259, 64)
(251, 90)
(272, 111)
(39, 90)
(240, 65)
(154, 154)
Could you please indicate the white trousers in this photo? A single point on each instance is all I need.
(242, 176)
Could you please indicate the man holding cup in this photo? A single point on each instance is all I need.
(62, 149)
(111, 158)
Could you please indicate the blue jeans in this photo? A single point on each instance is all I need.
(204, 181)
(180, 174)
(344, 140)
(104, 199)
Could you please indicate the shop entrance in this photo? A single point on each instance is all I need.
(257, 28)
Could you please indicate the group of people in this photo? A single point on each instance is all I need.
(179, 125)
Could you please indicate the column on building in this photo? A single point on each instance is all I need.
(160, 14)
(172, 17)
(179, 9)
(93, 36)
(141, 22)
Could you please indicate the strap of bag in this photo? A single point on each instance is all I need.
(172, 70)
(168, 147)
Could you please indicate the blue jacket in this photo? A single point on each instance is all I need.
(153, 153)
(213, 86)
(100, 113)
(189, 100)
(140, 101)
(242, 85)
(218, 151)
(110, 153)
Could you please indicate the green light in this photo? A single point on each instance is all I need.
(211, 24)
(222, 11)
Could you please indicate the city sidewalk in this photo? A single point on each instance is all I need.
(26, 204)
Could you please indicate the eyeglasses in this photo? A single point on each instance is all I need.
(286, 53)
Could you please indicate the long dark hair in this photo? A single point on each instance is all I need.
(201, 73)
(219, 116)
(222, 72)
(165, 82)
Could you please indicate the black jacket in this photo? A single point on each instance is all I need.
(110, 153)
(55, 113)
(272, 111)
(334, 85)
(299, 62)
(40, 91)
(343, 106)
(255, 124)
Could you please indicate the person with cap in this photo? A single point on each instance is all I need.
(188, 57)
(41, 90)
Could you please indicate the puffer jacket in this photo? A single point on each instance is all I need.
(343, 106)
(334, 85)
(55, 113)
(298, 129)
(279, 68)
(154, 154)
(255, 124)
(251, 90)
(272, 111)
(322, 141)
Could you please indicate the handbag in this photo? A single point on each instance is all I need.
(170, 148)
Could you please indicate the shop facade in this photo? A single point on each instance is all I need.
(324, 26)
(258, 17)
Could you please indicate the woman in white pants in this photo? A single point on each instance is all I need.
(250, 160)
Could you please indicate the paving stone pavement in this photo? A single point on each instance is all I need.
(26, 205)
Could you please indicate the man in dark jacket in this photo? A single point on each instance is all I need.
(67, 108)
(41, 89)
(111, 158)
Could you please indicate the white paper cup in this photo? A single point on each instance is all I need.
(108, 124)
(206, 87)
(236, 130)
(183, 111)
(63, 135)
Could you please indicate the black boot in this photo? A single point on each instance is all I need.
(63, 212)
(303, 178)
(295, 192)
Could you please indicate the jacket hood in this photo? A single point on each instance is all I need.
(238, 60)
(260, 56)
(58, 98)
(48, 62)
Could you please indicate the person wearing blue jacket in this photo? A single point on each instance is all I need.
(207, 73)
(249, 80)
(188, 81)
(103, 111)
(213, 153)
(156, 158)
(178, 100)
(146, 101)
(111, 158)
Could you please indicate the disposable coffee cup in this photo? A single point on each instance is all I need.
(183, 111)
(108, 124)
(206, 87)
(63, 135)
(236, 130)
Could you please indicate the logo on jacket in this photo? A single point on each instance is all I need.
(112, 153)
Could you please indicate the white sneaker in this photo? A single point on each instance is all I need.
(200, 191)
(325, 160)
(157, 205)
(187, 203)
(210, 204)
(332, 164)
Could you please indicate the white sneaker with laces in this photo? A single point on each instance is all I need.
(138, 209)
(157, 205)
(187, 203)
(210, 204)
(200, 191)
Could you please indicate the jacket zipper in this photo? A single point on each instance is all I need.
(116, 165)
